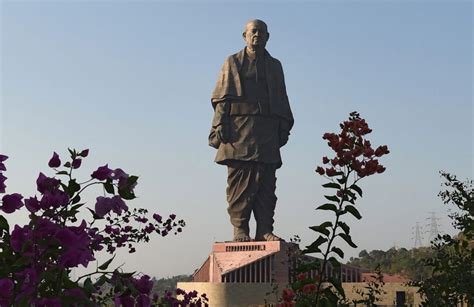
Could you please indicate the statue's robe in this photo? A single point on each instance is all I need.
(255, 123)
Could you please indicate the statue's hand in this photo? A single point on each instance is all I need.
(284, 137)
(223, 133)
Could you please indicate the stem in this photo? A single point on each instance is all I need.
(333, 236)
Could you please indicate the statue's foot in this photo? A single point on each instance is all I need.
(241, 235)
(242, 238)
(268, 237)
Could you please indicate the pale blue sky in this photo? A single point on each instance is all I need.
(131, 80)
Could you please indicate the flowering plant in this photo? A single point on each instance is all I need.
(36, 259)
(354, 159)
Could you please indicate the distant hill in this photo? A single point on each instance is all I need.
(395, 261)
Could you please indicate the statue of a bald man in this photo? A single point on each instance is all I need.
(252, 120)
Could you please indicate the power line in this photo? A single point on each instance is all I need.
(418, 236)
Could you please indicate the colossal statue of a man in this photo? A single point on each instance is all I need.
(252, 120)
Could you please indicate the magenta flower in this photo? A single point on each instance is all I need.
(157, 217)
(54, 161)
(144, 284)
(2, 183)
(118, 205)
(29, 281)
(18, 237)
(2, 166)
(84, 153)
(54, 199)
(76, 163)
(124, 301)
(11, 202)
(32, 204)
(6, 290)
(103, 206)
(48, 302)
(44, 183)
(102, 173)
(143, 300)
(75, 242)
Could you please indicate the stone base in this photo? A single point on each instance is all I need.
(237, 294)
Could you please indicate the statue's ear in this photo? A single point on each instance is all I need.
(268, 36)
(243, 34)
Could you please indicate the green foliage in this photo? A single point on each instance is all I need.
(451, 266)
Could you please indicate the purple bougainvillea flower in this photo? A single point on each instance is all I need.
(54, 161)
(11, 202)
(118, 205)
(18, 237)
(29, 278)
(103, 206)
(75, 242)
(143, 300)
(32, 204)
(54, 199)
(2, 166)
(84, 153)
(6, 288)
(157, 217)
(144, 284)
(2, 183)
(124, 301)
(75, 292)
(102, 173)
(44, 183)
(48, 302)
(76, 163)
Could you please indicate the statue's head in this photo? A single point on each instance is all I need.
(256, 34)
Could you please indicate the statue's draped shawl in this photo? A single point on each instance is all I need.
(229, 87)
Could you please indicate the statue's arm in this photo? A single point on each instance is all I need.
(286, 122)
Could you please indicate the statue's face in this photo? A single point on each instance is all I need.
(256, 35)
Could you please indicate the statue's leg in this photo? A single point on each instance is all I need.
(265, 202)
(241, 189)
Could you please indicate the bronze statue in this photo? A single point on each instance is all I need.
(252, 120)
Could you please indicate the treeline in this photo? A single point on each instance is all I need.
(401, 261)
(169, 284)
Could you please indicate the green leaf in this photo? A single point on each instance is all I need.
(109, 187)
(101, 280)
(126, 194)
(333, 198)
(22, 261)
(308, 266)
(336, 265)
(338, 285)
(342, 180)
(357, 189)
(331, 207)
(76, 199)
(62, 173)
(348, 239)
(344, 227)
(351, 209)
(338, 251)
(105, 265)
(88, 286)
(314, 247)
(132, 180)
(4, 224)
(322, 228)
(332, 185)
(94, 214)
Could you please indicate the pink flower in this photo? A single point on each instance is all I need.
(76, 163)
(44, 183)
(2, 166)
(102, 173)
(288, 295)
(54, 161)
(144, 284)
(84, 153)
(320, 170)
(309, 288)
(2, 183)
(11, 202)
